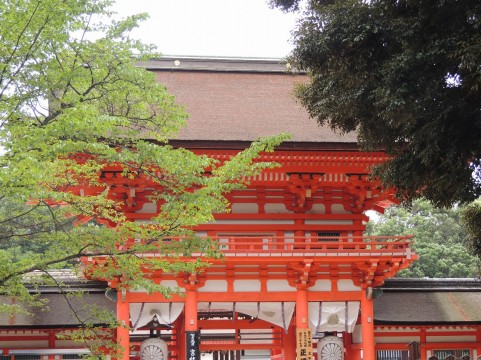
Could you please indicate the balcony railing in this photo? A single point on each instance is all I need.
(320, 246)
(300, 246)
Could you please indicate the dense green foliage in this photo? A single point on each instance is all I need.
(69, 84)
(471, 216)
(441, 239)
(406, 76)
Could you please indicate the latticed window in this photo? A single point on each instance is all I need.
(328, 236)
(452, 354)
(392, 355)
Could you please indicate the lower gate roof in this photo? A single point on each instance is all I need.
(399, 302)
(428, 302)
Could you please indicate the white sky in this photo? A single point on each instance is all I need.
(240, 28)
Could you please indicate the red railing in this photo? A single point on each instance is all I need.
(321, 246)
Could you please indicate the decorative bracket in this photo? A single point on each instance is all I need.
(303, 279)
(302, 186)
(366, 193)
(368, 277)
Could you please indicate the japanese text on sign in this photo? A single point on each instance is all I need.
(193, 352)
(304, 344)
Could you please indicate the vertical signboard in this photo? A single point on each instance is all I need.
(193, 345)
(304, 344)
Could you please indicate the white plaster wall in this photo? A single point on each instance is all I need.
(248, 222)
(347, 285)
(148, 208)
(275, 208)
(214, 286)
(338, 209)
(317, 209)
(171, 284)
(247, 208)
(247, 285)
(279, 285)
(321, 285)
(329, 222)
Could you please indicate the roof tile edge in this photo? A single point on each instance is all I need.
(219, 64)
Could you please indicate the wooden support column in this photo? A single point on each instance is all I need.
(191, 310)
(180, 326)
(303, 333)
(289, 341)
(367, 323)
(347, 340)
(301, 308)
(301, 295)
(52, 335)
(356, 353)
(422, 347)
(192, 337)
(123, 331)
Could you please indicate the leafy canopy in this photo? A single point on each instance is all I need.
(69, 84)
(405, 75)
(441, 239)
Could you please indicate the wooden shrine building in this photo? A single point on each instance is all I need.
(298, 280)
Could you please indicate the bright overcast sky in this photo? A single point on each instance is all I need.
(240, 28)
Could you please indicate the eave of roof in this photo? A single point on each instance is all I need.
(432, 284)
(240, 145)
(218, 64)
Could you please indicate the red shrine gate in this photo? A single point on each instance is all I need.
(295, 268)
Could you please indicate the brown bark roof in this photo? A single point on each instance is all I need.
(402, 302)
(58, 312)
(429, 301)
(239, 100)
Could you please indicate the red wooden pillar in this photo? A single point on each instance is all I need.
(180, 326)
(289, 342)
(190, 321)
(347, 340)
(278, 333)
(301, 308)
(422, 347)
(52, 335)
(191, 310)
(123, 331)
(356, 352)
(302, 312)
(367, 323)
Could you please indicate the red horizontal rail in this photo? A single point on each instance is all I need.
(296, 244)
